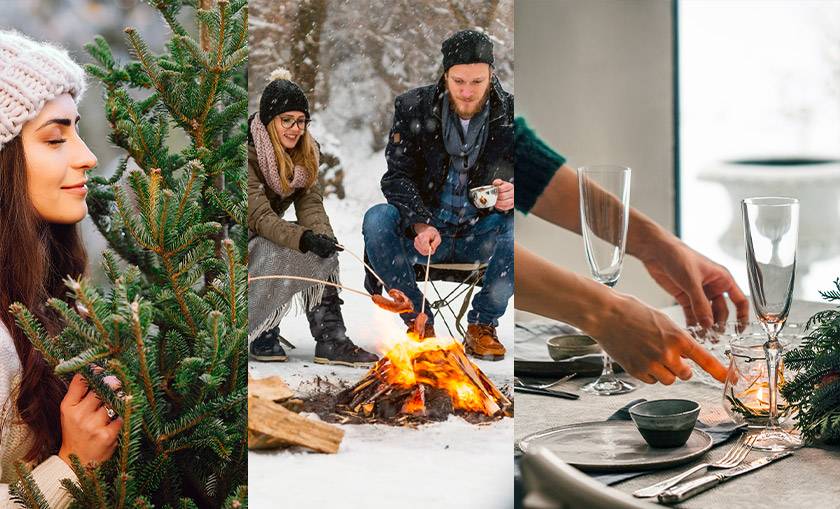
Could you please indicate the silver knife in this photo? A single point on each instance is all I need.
(688, 489)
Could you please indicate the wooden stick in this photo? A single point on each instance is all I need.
(311, 280)
(368, 267)
(426, 282)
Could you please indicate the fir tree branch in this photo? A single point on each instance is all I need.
(74, 322)
(78, 362)
(233, 383)
(80, 291)
(118, 173)
(123, 474)
(148, 386)
(147, 152)
(220, 40)
(201, 412)
(215, 338)
(169, 11)
(152, 71)
(238, 499)
(100, 497)
(242, 36)
(215, 73)
(195, 167)
(128, 221)
(26, 491)
(179, 293)
(155, 228)
(34, 331)
(231, 259)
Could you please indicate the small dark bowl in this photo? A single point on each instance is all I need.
(571, 345)
(665, 423)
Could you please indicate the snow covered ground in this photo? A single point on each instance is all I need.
(449, 464)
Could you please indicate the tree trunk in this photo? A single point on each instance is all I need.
(305, 49)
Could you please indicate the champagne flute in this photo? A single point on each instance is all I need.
(604, 215)
(771, 227)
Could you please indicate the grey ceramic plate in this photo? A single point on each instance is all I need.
(613, 446)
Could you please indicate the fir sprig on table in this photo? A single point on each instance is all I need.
(815, 389)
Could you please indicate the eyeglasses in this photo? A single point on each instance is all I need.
(288, 122)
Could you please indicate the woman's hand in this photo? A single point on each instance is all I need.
(320, 244)
(86, 429)
(698, 284)
(648, 344)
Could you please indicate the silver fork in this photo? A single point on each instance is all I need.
(732, 458)
(549, 385)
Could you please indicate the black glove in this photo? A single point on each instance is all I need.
(322, 245)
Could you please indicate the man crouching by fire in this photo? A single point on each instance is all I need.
(449, 188)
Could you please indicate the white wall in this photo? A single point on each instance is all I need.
(594, 79)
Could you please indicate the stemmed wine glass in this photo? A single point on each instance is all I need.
(604, 214)
(771, 227)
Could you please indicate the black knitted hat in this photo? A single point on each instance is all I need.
(281, 95)
(467, 47)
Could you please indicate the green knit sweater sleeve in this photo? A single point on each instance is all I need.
(535, 164)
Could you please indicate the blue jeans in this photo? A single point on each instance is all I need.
(490, 240)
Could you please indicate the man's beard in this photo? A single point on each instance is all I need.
(468, 111)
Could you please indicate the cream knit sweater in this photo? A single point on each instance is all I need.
(15, 437)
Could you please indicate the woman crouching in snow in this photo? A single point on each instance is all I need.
(283, 172)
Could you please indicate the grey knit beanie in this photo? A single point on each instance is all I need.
(31, 74)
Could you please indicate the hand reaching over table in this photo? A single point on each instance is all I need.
(698, 284)
(647, 344)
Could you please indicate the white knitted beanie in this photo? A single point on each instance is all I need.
(32, 73)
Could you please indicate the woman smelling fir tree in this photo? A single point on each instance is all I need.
(43, 171)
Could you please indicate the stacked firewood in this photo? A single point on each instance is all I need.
(274, 421)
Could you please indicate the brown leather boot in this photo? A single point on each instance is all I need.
(429, 331)
(482, 343)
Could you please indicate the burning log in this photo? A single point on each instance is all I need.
(272, 425)
(425, 379)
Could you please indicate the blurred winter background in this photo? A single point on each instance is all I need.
(761, 79)
(755, 80)
(72, 24)
(352, 58)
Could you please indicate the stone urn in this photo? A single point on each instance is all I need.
(815, 182)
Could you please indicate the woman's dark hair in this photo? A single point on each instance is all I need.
(35, 257)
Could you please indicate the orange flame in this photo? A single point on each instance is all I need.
(440, 363)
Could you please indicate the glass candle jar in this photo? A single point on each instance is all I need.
(746, 395)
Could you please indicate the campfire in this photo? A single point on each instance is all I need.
(423, 380)
(417, 380)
